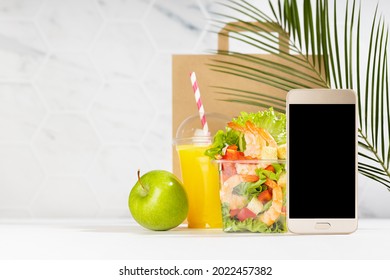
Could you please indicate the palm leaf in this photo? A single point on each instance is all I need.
(310, 32)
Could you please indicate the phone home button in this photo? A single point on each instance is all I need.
(322, 226)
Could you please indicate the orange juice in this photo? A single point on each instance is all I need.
(201, 181)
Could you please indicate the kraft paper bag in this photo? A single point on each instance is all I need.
(183, 101)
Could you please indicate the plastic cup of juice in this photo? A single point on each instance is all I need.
(199, 174)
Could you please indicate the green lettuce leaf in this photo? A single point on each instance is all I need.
(251, 225)
(279, 168)
(221, 140)
(263, 174)
(249, 189)
(273, 122)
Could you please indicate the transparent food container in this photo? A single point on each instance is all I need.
(253, 195)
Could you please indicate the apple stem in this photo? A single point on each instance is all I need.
(139, 180)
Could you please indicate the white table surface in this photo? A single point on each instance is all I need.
(123, 239)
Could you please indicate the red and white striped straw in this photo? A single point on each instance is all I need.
(202, 115)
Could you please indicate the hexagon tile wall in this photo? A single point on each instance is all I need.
(85, 100)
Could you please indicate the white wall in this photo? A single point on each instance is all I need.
(85, 100)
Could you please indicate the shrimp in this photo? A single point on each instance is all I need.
(259, 142)
(235, 201)
(272, 214)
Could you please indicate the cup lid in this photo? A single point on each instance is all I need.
(191, 127)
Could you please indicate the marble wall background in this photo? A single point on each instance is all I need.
(85, 100)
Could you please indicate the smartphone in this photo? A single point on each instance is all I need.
(322, 161)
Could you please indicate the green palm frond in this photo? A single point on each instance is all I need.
(315, 44)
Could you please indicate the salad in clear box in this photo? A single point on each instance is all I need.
(251, 154)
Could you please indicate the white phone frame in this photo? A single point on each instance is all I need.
(322, 226)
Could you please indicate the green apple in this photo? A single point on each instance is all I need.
(158, 200)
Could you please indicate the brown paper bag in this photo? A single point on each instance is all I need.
(183, 98)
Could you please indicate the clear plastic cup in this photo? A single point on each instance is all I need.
(199, 174)
(253, 195)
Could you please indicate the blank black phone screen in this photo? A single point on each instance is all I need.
(322, 160)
